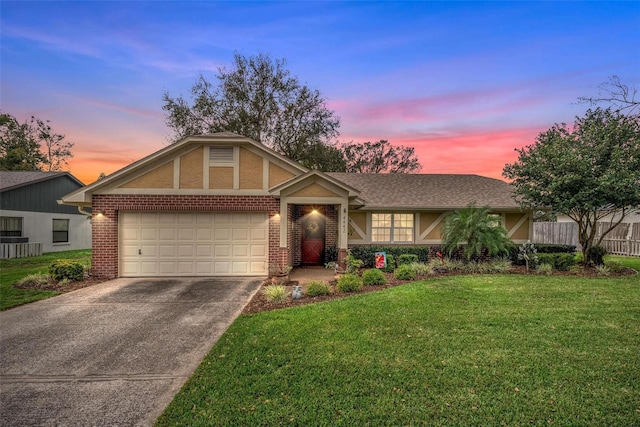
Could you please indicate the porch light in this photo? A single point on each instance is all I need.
(314, 211)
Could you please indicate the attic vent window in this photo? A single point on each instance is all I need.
(221, 154)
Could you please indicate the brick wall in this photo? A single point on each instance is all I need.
(105, 227)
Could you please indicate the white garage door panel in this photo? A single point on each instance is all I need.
(193, 244)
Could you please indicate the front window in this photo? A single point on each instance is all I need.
(392, 227)
(10, 226)
(60, 231)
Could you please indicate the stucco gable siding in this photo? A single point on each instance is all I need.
(251, 170)
(191, 169)
(278, 175)
(160, 177)
(314, 190)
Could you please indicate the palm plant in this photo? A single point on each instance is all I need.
(476, 230)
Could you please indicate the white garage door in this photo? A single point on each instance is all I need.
(193, 244)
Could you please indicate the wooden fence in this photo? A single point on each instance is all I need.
(20, 250)
(622, 240)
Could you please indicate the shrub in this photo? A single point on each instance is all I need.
(500, 266)
(352, 263)
(331, 253)
(37, 279)
(545, 269)
(406, 272)
(614, 266)
(349, 283)
(275, 293)
(423, 269)
(559, 261)
(373, 277)
(317, 288)
(407, 259)
(391, 264)
(529, 254)
(603, 270)
(64, 269)
(551, 248)
(595, 255)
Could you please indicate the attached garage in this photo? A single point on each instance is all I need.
(193, 244)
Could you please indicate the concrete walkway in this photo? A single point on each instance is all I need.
(304, 275)
(113, 354)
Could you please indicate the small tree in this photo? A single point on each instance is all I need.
(589, 173)
(476, 230)
(379, 157)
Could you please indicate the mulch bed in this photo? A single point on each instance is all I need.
(61, 286)
(259, 302)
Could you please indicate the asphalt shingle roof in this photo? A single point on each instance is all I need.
(429, 191)
(13, 179)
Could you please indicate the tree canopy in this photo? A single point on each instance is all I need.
(32, 145)
(260, 99)
(588, 172)
(379, 157)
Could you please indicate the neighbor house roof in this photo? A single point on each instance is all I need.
(430, 191)
(10, 180)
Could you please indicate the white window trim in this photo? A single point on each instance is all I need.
(393, 227)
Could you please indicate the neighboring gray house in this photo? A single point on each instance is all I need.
(30, 212)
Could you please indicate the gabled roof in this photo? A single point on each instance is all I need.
(10, 180)
(429, 191)
(83, 196)
(352, 192)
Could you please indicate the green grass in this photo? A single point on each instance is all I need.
(627, 261)
(455, 351)
(12, 270)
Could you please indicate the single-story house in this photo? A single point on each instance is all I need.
(223, 204)
(31, 214)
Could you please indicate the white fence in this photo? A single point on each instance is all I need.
(622, 240)
(20, 250)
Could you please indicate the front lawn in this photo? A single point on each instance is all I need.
(466, 350)
(14, 269)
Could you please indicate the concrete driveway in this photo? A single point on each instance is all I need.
(113, 354)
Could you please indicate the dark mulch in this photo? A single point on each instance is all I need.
(61, 286)
(259, 302)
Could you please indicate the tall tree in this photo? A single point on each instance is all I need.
(260, 99)
(19, 150)
(379, 157)
(588, 172)
(32, 145)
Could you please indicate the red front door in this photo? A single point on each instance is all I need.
(313, 239)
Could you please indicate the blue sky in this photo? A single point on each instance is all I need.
(465, 83)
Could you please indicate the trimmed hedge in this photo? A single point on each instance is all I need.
(559, 261)
(62, 269)
(367, 253)
(407, 259)
(548, 248)
(541, 248)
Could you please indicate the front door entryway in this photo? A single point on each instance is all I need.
(313, 226)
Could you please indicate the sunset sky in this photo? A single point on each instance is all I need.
(465, 83)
